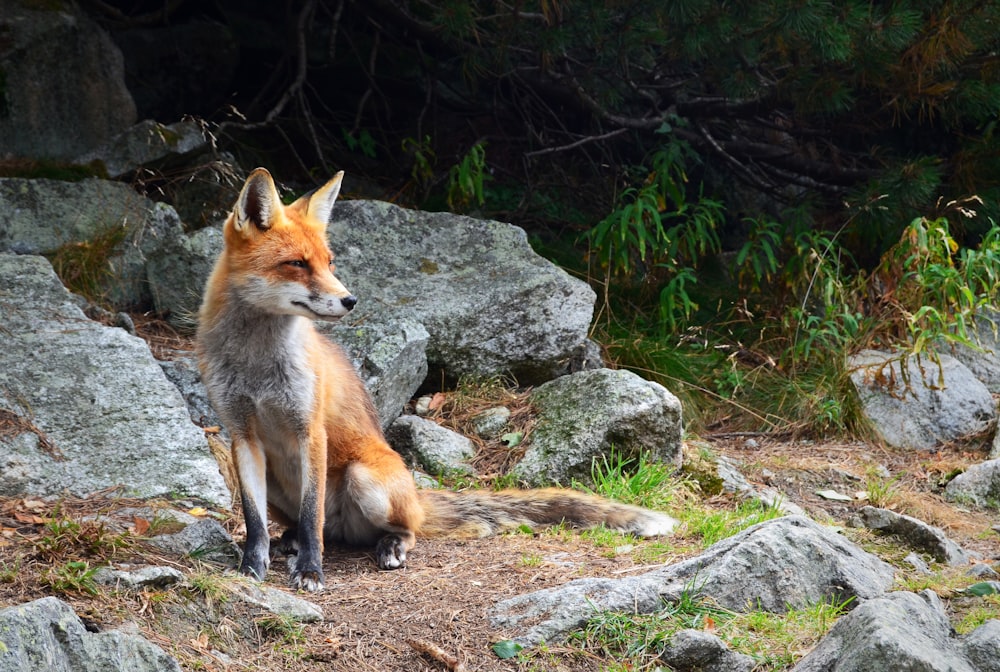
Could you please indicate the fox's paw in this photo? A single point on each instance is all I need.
(254, 565)
(288, 543)
(303, 576)
(390, 552)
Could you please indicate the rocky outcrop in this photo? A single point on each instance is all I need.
(468, 281)
(48, 635)
(916, 534)
(787, 562)
(90, 407)
(901, 631)
(115, 229)
(979, 485)
(63, 90)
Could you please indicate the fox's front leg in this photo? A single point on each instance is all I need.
(307, 566)
(251, 466)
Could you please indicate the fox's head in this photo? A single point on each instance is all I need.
(278, 257)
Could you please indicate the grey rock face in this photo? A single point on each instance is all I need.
(47, 635)
(95, 408)
(144, 143)
(916, 533)
(901, 631)
(925, 413)
(64, 83)
(489, 303)
(205, 538)
(584, 415)
(39, 216)
(979, 485)
(781, 563)
(982, 647)
(391, 359)
(178, 272)
(277, 601)
(704, 652)
(435, 449)
(144, 577)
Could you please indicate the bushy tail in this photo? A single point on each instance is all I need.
(481, 513)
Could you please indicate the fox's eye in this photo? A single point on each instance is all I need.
(297, 263)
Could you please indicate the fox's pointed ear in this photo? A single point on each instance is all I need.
(258, 202)
(321, 201)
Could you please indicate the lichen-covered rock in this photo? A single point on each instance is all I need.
(435, 449)
(979, 485)
(93, 407)
(916, 533)
(488, 301)
(925, 405)
(901, 631)
(41, 216)
(588, 414)
(48, 635)
(786, 562)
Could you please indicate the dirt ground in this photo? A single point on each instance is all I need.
(433, 615)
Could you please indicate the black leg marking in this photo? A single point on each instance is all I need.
(255, 552)
(307, 570)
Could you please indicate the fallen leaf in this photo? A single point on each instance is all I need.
(198, 511)
(140, 526)
(512, 439)
(30, 518)
(506, 648)
(437, 401)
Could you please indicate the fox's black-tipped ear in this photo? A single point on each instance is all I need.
(321, 201)
(258, 202)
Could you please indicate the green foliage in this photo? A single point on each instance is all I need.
(634, 480)
(466, 180)
(657, 232)
(76, 576)
(361, 142)
(713, 526)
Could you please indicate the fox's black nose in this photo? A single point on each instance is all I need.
(349, 301)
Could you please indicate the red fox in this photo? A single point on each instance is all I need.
(306, 440)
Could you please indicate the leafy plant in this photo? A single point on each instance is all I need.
(76, 576)
(466, 179)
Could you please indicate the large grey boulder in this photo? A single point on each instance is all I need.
(92, 407)
(63, 82)
(488, 301)
(786, 562)
(40, 216)
(978, 485)
(48, 635)
(700, 651)
(923, 405)
(588, 414)
(984, 359)
(901, 631)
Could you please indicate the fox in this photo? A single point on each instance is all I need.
(306, 439)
